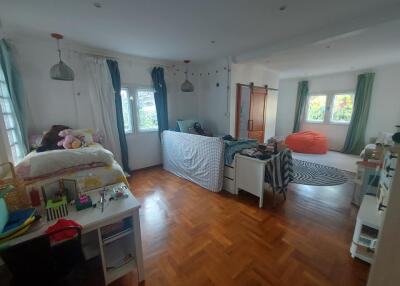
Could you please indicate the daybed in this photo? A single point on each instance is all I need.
(199, 159)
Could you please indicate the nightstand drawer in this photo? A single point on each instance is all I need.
(229, 172)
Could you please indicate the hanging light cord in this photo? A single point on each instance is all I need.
(58, 49)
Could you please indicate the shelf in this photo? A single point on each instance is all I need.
(119, 235)
(115, 273)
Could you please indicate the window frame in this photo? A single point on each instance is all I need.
(133, 101)
(330, 97)
(131, 131)
(308, 106)
(18, 144)
(333, 122)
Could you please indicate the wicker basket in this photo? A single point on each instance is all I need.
(17, 198)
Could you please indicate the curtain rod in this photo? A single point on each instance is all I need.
(113, 58)
(252, 85)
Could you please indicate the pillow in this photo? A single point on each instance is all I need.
(84, 134)
(184, 125)
(3, 214)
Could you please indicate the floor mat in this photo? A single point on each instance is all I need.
(308, 173)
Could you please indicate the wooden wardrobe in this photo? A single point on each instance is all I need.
(250, 111)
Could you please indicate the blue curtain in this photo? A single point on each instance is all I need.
(355, 139)
(116, 81)
(302, 94)
(15, 89)
(160, 98)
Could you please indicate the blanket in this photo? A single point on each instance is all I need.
(44, 164)
(233, 147)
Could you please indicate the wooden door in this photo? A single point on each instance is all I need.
(257, 113)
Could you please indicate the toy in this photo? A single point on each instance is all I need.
(70, 141)
(56, 210)
(83, 202)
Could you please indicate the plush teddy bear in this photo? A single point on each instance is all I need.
(69, 141)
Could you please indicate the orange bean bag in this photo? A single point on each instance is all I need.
(309, 142)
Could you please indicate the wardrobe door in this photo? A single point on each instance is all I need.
(256, 114)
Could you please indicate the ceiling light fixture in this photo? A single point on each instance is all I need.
(60, 71)
(187, 86)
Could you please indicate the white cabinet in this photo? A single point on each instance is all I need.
(367, 230)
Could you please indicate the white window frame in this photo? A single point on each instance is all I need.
(331, 107)
(4, 131)
(129, 111)
(132, 93)
(308, 107)
(330, 97)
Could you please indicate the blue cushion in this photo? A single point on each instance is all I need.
(3, 214)
(184, 125)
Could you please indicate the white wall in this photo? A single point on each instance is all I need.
(384, 110)
(259, 75)
(218, 103)
(57, 102)
(213, 99)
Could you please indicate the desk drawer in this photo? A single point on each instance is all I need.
(229, 172)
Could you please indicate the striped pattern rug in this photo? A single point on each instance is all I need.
(308, 173)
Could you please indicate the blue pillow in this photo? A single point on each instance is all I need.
(3, 214)
(184, 125)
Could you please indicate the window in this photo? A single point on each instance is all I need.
(126, 110)
(146, 110)
(316, 108)
(142, 115)
(342, 108)
(10, 123)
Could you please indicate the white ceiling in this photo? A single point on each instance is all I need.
(358, 50)
(179, 29)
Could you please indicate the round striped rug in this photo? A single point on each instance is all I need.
(308, 173)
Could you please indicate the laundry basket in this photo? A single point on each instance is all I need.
(17, 198)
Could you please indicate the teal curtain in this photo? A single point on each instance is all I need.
(301, 102)
(116, 81)
(160, 98)
(14, 85)
(355, 139)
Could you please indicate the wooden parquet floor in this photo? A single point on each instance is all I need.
(195, 237)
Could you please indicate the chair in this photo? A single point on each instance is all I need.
(40, 262)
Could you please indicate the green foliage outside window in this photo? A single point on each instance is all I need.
(342, 108)
(316, 108)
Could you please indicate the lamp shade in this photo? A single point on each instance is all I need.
(187, 86)
(61, 71)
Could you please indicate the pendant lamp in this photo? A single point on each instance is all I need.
(60, 71)
(187, 86)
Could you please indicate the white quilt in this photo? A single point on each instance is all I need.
(40, 164)
(195, 158)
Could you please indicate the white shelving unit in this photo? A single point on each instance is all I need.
(371, 214)
(367, 230)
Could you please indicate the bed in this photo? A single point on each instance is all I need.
(92, 167)
(199, 159)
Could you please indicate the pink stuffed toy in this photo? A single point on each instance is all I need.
(69, 141)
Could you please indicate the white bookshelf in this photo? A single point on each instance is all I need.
(367, 230)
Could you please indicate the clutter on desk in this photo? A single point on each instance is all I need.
(83, 202)
(56, 209)
(66, 234)
(119, 192)
(15, 223)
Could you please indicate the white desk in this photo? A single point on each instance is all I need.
(91, 220)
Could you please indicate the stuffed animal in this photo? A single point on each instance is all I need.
(69, 141)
